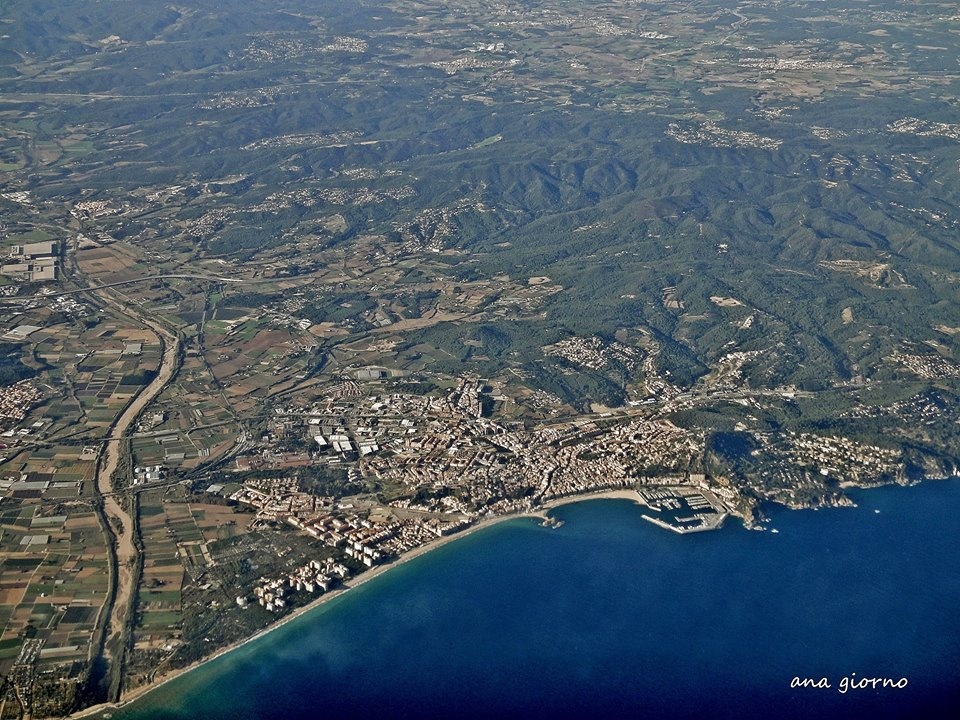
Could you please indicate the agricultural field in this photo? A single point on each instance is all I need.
(179, 532)
(53, 578)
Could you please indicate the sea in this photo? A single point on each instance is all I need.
(843, 612)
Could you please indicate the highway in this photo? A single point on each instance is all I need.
(119, 283)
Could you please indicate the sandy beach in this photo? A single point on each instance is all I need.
(623, 494)
(540, 512)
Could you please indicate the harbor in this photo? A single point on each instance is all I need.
(683, 510)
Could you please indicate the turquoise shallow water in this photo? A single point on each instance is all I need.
(609, 616)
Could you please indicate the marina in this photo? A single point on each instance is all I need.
(672, 505)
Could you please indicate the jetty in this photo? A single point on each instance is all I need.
(701, 522)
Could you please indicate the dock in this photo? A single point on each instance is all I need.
(707, 512)
(706, 521)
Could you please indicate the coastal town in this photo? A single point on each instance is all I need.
(249, 522)
(438, 465)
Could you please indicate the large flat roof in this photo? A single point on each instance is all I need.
(47, 247)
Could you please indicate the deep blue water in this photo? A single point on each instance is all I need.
(609, 616)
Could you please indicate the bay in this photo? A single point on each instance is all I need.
(609, 616)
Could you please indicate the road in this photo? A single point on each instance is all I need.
(95, 288)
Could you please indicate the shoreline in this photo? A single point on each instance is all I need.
(357, 581)
(540, 512)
